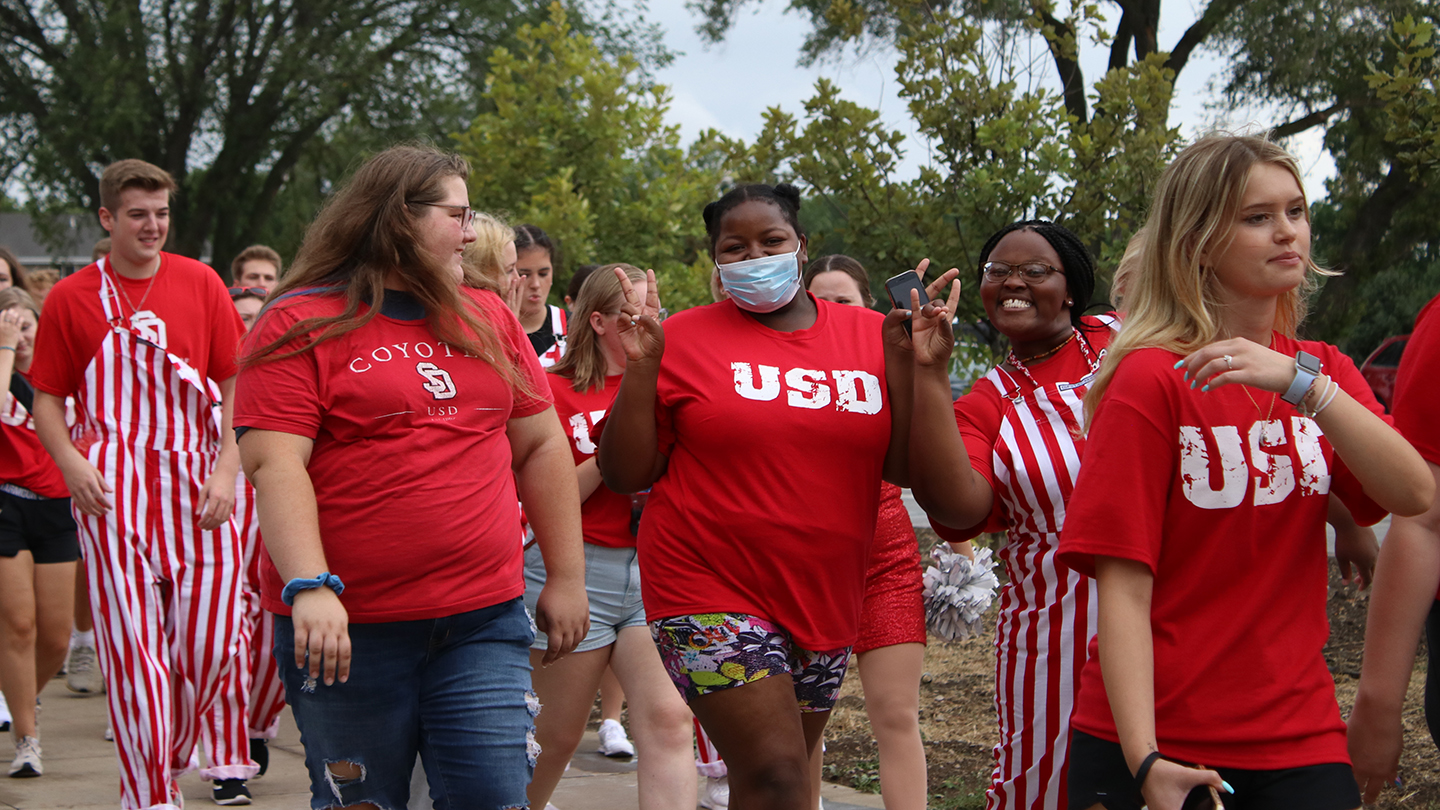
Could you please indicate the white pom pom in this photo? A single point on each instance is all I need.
(958, 591)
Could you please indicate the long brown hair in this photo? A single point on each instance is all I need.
(1171, 301)
(366, 231)
(584, 361)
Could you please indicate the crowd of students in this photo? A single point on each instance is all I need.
(400, 491)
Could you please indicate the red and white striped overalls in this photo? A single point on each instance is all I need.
(164, 593)
(1047, 615)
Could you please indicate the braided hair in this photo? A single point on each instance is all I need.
(783, 196)
(1079, 265)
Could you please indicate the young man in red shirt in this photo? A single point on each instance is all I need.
(145, 342)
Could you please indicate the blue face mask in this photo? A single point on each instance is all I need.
(764, 284)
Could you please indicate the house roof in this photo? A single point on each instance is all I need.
(76, 235)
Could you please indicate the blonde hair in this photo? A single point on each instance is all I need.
(584, 361)
(484, 258)
(1171, 301)
(17, 297)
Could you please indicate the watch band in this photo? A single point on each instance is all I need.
(1307, 368)
(298, 584)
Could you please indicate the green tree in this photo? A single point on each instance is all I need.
(1375, 224)
(1002, 147)
(576, 143)
(233, 96)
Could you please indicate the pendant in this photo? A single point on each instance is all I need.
(1272, 433)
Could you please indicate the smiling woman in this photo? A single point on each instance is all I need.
(1004, 458)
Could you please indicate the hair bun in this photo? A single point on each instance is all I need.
(786, 191)
(709, 213)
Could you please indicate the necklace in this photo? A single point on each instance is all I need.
(1265, 427)
(134, 310)
(1015, 360)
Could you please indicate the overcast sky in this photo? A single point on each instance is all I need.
(729, 86)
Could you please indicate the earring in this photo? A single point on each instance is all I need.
(1069, 302)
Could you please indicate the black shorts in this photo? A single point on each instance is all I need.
(45, 528)
(1099, 775)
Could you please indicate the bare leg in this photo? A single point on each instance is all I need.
(54, 612)
(890, 678)
(765, 741)
(612, 695)
(566, 690)
(659, 720)
(17, 640)
(817, 766)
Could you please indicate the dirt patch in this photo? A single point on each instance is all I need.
(957, 714)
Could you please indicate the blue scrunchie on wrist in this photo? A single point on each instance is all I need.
(298, 584)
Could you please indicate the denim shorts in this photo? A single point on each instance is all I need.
(455, 691)
(708, 652)
(612, 581)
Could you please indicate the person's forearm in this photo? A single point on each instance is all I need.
(629, 456)
(587, 475)
(901, 388)
(50, 428)
(941, 478)
(546, 480)
(1406, 577)
(1127, 653)
(1391, 471)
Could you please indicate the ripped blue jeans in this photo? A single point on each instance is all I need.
(455, 690)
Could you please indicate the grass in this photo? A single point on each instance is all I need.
(959, 794)
(863, 775)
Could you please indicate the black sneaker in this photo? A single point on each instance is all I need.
(260, 755)
(230, 792)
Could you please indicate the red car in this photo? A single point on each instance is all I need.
(1379, 368)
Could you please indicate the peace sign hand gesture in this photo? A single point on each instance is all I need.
(639, 322)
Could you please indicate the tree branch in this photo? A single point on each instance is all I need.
(1215, 13)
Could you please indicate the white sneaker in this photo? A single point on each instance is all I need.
(27, 759)
(109, 732)
(4, 713)
(82, 671)
(613, 742)
(717, 793)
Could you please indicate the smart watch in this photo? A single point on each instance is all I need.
(1307, 368)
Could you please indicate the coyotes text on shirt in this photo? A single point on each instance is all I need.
(854, 391)
(1265, 455)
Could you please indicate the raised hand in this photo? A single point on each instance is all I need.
(639, 329)
(10, 327)
(932, 335)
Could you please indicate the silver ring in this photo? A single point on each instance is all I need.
(1229, 364)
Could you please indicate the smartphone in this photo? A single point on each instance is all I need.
(899, 288)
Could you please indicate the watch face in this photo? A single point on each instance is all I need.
(1308, 361)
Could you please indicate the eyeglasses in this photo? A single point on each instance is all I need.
(1030, 272)
(236, 292)
(464, 213)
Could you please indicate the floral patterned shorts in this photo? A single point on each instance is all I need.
(708, 652)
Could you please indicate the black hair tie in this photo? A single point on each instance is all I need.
(1144, 769)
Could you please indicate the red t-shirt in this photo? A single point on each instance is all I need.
(979, 415)
(1228, 511)
(193, 317)
(1417, 386)
(411, 463)
(23, 460)
(605, 515)
(776, 442)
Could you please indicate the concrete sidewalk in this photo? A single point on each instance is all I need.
(81, 771)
